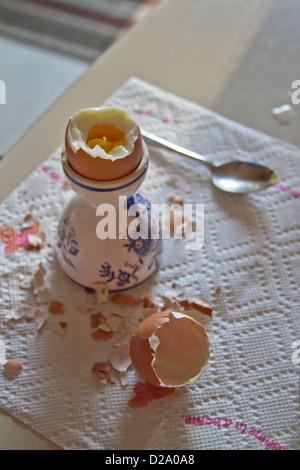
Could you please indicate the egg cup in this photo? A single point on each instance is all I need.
(120, 262)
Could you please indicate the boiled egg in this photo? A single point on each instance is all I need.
(169, 349)
(103, 143)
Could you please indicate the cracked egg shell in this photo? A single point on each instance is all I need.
(103, 143)
(169, 349)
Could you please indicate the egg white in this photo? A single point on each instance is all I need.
(81, 123)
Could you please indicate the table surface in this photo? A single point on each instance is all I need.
(237, 58)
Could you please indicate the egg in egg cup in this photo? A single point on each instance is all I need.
(104, 157)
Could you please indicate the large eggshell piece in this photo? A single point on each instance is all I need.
(169, 349)
(95, 163)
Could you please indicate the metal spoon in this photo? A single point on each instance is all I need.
(233, 177)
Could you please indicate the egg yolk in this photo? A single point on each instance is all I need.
(108, 137)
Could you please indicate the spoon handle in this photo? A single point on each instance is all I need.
(153, 139)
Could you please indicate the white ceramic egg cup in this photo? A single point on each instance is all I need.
(120, 263)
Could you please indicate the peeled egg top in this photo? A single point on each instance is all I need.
(169, 349)
(103, 143)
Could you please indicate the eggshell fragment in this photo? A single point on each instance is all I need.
(114, 321)
(101, 334)
(101, 376)
(197, 304)
(120, 357)
(15, 314)
(25, 282)
(105, 327)
(91, 301)
(40, 318)
(38, 278)
(59, 329)
(36, 241)
(96, 319)
(103, 366)
(28, 217)
(173, 180)
(123, 378)
(12, 365)
(100, 370)
(56, 307)
(42, 296)
(175, 198)
(147, 311)
(125, 300)
(178, 223)
(101, 292)
(150, 302)
(169, 349)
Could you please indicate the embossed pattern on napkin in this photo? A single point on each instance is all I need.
(248, 269)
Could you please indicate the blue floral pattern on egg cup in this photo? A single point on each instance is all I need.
(66, 241)
(122, 263)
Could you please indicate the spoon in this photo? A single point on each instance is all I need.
(233, 177)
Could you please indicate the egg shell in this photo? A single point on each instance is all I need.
(103, 169)
(140, 350)
(142, 353)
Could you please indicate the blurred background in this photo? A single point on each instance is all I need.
(45, 45)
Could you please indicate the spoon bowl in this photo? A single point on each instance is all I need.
(232, 177)
(242, 177)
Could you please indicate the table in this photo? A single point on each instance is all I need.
(237, 58)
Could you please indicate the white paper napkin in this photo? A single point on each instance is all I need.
(248, 270)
